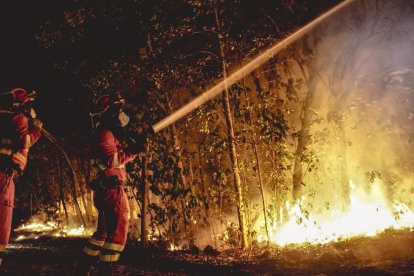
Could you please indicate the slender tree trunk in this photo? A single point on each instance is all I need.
(205, 196)
(256, 153)
(271, 75)
(200, 170)
(304, 136)
(233, 153)
(190, 162)
(83, 188)
(343, 169)
(256, 81)
(73, 185)
(89, 200)
(62, 193)
(177, 149)
(220, 203)
(73, 173)
(144, 198)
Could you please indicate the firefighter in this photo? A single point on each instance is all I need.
(112, 155)
(20, 129)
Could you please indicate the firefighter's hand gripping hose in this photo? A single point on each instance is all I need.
(38, 124)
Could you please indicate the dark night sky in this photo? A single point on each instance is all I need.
(62, 103)
(25, 64)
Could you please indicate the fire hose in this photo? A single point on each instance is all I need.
(246, 69)
(45, 133)
(56, 143)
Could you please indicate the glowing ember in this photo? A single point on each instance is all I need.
(369, 213)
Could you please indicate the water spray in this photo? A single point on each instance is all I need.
(246, 69)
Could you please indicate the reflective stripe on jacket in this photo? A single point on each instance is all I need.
(115, 157)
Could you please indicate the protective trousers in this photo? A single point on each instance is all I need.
(109, 239)
(6, 210)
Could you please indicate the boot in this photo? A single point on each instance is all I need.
(106, 269)
(1, 263)
(2, 268)
(84, 265)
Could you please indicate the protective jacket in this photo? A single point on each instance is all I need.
(109, 239)
(17, 135)
(114, 155)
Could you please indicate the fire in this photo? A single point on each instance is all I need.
(369, 213)
(74, 232)
(36, 228)
(173, 247)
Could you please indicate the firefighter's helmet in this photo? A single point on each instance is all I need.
(22, 97)
(19, 97)
(106, 106)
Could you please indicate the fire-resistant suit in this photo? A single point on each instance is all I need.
(110, 199)
(17, 135)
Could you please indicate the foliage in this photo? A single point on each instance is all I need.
(159, 56)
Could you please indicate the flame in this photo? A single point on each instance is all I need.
(173, 247)
(74, 232)
(369, 214)
(20, 237)
(35, 228)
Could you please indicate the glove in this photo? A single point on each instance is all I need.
(37, 123)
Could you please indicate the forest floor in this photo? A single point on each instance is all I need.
(390, 253)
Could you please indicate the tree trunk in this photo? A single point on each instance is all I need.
(177, 149)
(62, 194)
(304, 136)
(144, 207)
(72, 170)
(205, 196)
(256, 154)
(89, 200)
(190, 161)
(83, 188)
(343, 167)
(233, 153)
(74, 183)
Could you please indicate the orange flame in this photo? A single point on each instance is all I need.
(369, 214)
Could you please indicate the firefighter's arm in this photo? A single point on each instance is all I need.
(28, 136)
(115, 157)
(28, 133)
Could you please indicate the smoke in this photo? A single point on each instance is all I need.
(363, 89)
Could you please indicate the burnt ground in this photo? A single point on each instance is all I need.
(390, 253)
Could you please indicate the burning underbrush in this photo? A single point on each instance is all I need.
(368, 214)
(36, 228)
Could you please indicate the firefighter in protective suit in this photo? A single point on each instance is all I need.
(20, 129)
(113, 150)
